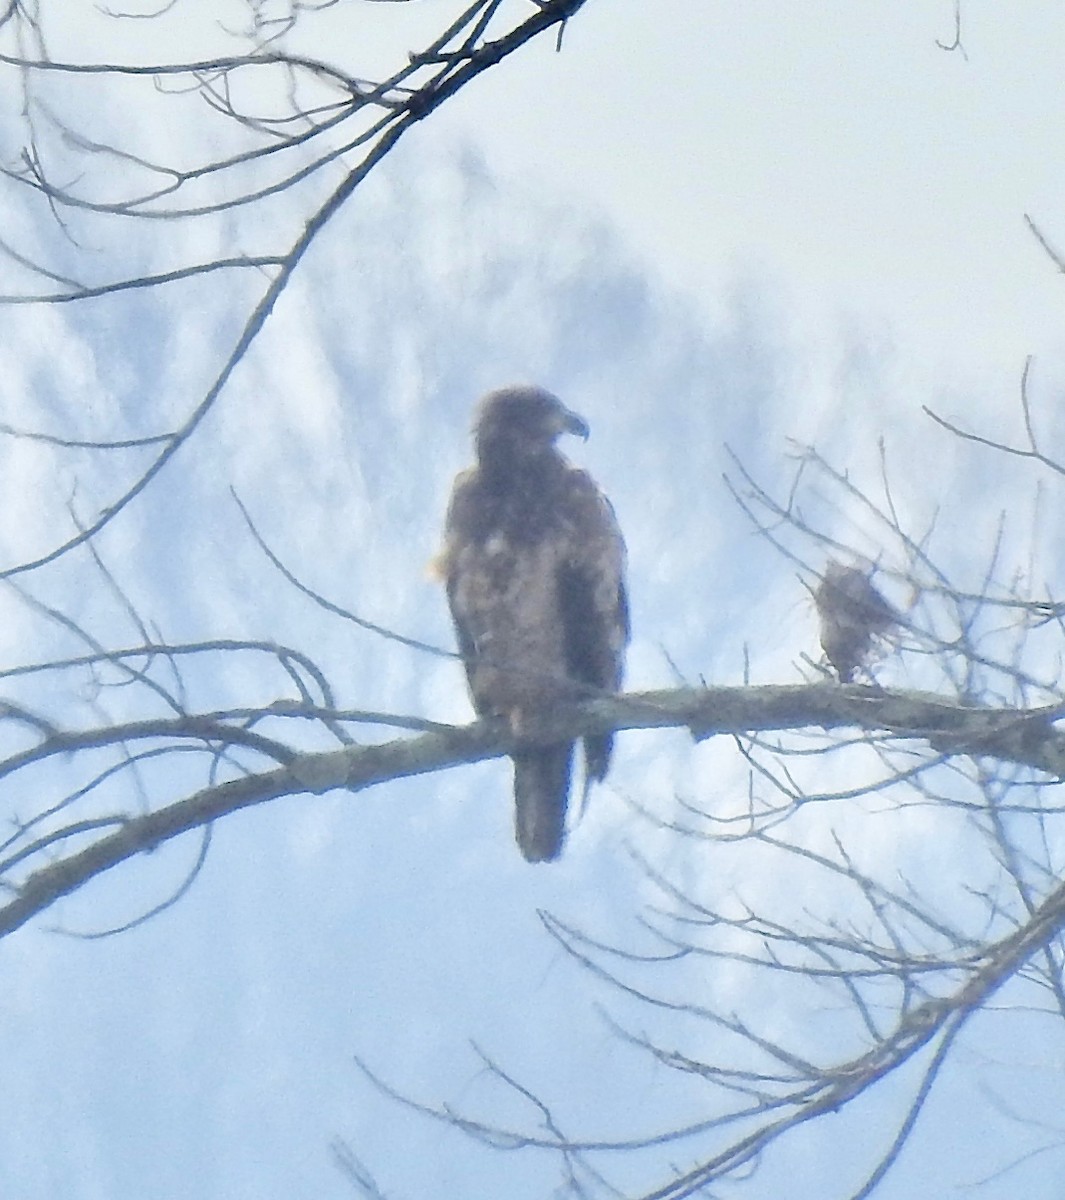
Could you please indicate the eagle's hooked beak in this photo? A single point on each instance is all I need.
(570, 422)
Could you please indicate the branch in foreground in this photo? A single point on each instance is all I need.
(935, 1021)
(1026, 738)
(455, 68)
(927, 1028)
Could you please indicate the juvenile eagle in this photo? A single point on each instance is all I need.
(852, 613)
(534, 566)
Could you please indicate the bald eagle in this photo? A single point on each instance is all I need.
(534, 566)
(852, 613)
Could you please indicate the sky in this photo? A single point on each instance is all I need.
(710, 230)
(832, 149)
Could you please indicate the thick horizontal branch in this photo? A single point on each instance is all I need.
(1024, 737)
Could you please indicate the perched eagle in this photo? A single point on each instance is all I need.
(852, 613)
(534, 566)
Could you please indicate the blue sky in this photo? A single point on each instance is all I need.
(703, 228)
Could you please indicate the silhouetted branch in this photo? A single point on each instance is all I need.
(458, 55)
(1028, 739)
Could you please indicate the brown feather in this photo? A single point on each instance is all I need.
(852, 614)
(541, 789)
(534, 566)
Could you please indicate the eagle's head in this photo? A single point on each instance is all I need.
(516, 424)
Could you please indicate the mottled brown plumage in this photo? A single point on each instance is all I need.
(852, 613)
(534, 565)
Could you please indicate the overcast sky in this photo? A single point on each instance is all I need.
(703, 225)
(831, 149)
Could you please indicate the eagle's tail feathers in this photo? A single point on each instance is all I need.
(597, 757)
(541, 788)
